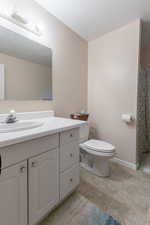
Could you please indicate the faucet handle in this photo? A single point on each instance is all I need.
(11, 118)
(13, 112)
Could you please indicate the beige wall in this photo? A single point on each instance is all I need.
(69, 61)
(112, 87)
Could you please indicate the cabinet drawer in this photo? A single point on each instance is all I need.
(69, 136)
(19, 152)
(68, 181)
(69, 155)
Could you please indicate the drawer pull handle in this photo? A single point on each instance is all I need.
(71, 180)
(71, 155)
(22, 169)
(71, 135)
(33, 164)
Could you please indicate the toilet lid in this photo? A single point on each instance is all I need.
(99, 146)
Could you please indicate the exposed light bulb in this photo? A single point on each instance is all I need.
(15, 15)
(34, 27)
(41, 27)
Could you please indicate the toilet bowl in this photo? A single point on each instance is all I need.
(95, 154)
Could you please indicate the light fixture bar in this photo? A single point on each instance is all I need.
(21, 22)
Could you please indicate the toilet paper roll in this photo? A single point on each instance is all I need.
(127, 118)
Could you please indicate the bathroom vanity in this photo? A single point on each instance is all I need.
(39, 167)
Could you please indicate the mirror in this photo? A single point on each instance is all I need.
(25, 68)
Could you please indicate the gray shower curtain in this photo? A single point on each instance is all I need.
(143, 118)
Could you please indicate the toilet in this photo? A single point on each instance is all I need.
(95, 154)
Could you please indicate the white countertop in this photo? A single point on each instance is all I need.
(51, 125)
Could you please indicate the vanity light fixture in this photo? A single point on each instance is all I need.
(16, 18)
(15, 15)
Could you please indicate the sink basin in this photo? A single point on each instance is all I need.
(19, 125)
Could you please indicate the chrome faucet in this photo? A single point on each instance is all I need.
(11, 118)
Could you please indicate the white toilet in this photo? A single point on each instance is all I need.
(95, 154)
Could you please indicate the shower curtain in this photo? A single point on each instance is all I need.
(143, 118)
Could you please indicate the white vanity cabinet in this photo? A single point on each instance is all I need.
(36, 175)
(13, 195)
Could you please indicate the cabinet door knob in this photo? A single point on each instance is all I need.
(22, 169)
(71, 135)
(71, 180)
(71, 155)
(34, 164)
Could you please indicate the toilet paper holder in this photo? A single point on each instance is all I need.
(127, 118)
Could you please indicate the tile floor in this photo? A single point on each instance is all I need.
(125, 196)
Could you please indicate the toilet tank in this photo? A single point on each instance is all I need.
(84, 132)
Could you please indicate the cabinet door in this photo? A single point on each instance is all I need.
(43, 185)
(13, 195)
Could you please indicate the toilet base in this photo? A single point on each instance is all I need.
(98, 166)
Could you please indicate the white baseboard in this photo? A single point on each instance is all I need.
(125, 163)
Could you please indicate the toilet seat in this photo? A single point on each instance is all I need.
(99, 146)
(96, 153)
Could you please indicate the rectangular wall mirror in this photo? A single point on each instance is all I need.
(25, 68)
